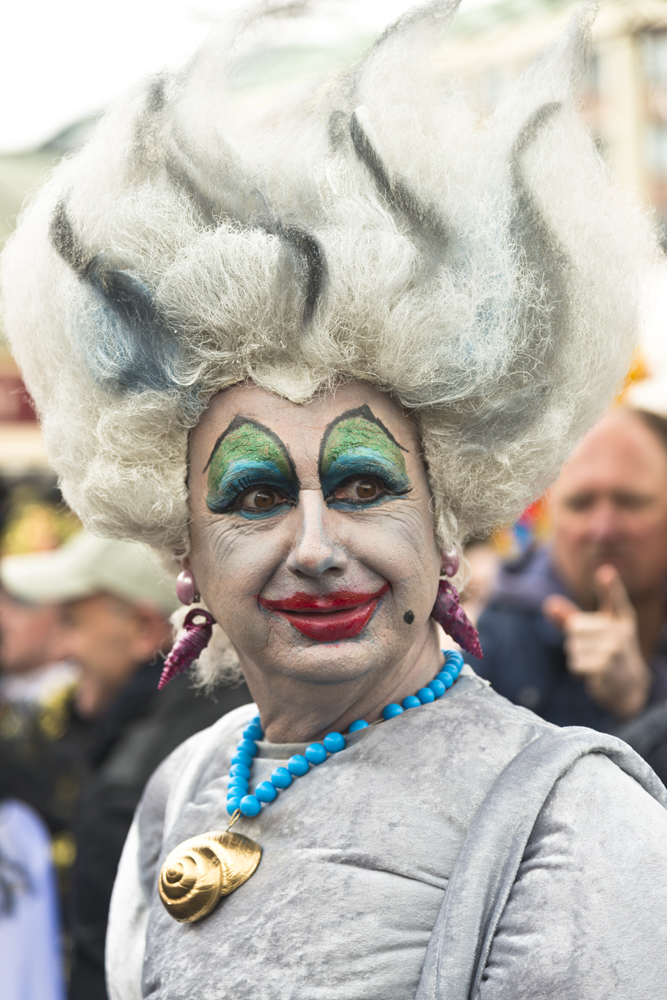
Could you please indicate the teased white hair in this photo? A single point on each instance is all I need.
(485, 273)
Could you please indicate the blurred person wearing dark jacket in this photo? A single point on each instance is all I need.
(43, 740)
(577, 632)
(115, 602)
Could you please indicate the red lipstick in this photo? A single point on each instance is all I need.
(328, 618)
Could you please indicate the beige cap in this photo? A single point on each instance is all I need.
(86, 565)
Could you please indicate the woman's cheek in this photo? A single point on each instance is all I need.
(397, 542)
(232, 562)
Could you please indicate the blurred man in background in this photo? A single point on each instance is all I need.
(29, 642)
(576, 632)
(115, 603)
(43, 740)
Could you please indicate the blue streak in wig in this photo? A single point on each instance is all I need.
(128, 344)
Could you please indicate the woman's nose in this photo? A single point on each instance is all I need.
(315, 550)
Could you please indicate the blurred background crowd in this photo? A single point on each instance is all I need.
(570, 602)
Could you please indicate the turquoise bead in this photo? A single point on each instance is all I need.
(238, 779)
(334, 742)
(316, 753)
(255, 721)
(266, 792)
(281, 778)
(250, 805)
(453, 656)
(298, 765)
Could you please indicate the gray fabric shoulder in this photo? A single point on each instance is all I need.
(487, 865)
(586, 918)
(170, 787)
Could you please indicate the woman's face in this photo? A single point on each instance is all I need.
(312, 532)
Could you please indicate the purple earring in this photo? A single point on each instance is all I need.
(186, 588)
(194, 638)
(450, 563)
(448, 613)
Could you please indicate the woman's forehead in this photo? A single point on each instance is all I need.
(303, 424)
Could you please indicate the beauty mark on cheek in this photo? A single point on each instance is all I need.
(246, 456)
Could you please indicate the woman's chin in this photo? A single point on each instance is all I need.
(329, 661)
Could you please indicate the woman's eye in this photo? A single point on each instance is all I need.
(359, 489)
(261, 499)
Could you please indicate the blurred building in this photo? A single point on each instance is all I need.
(21, 448)
(625, 99)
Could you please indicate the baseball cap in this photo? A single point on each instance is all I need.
(86, 565)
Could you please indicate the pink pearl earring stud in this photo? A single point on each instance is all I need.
(451, 563)
(186, 588)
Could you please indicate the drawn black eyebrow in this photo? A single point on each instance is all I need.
(361, 411)
(239, 421)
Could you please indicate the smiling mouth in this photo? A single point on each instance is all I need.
(341, 615)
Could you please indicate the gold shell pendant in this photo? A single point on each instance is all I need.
(201, 870)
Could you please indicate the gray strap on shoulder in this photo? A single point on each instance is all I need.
(489, 859)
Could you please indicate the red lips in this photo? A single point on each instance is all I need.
(329, 618)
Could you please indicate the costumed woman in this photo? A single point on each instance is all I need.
(306, 350)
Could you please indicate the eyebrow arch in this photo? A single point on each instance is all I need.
(367, 414)
(239, 421)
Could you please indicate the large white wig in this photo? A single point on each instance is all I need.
(485, 273)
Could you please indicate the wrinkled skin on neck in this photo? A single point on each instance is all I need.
(315, 520)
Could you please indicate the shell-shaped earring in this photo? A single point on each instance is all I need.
(447, 611)
(200, 871)
(195, 637)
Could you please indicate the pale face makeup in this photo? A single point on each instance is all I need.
(313, 546)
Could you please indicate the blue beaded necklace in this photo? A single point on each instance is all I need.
(241, 803)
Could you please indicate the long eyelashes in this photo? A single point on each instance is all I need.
(228, 501)
(391, 487)
(225, 500)
(350, 466)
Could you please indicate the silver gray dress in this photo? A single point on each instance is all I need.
(350, 900)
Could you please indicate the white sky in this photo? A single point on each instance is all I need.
(64, 59)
